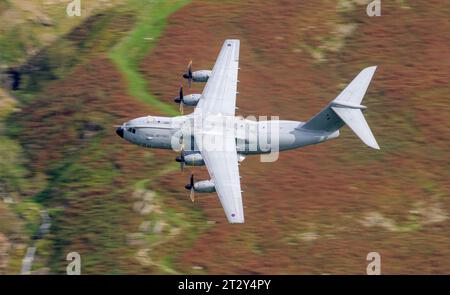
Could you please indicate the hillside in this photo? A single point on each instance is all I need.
(321, 209)
(98, 193)
(316, 210)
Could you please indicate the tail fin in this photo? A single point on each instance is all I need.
(346, 109)
(354, 92)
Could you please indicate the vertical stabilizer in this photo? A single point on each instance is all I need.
(354, 92)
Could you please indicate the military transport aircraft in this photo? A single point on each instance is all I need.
(213, 136)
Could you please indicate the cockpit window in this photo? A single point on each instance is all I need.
(132, 130)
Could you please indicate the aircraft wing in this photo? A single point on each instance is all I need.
(217, 105)
(223, 168)
(219, 94)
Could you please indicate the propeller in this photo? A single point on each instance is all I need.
(188, 74)
(190, 187)
(180, 159)
(179, 99)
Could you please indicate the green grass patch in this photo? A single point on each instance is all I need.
(128, 53)
(30, 212)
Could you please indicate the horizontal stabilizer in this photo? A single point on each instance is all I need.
(346, 108)
(354, 118)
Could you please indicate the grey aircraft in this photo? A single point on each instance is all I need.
(213, 136)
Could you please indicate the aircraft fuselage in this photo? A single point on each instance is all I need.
(252, 137)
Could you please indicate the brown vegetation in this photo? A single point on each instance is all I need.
(313, 210)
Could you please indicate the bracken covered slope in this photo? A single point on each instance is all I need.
(321, 209)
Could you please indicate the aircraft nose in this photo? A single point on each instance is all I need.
(185, 75)
(119, 131)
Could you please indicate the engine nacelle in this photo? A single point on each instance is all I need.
(194, 160)
(205, 186)
(201, 76)
(191, 99)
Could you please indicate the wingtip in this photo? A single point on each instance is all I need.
(232, 40)
(235, 219)
(374, 145)
(371, 69)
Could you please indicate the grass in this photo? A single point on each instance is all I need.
(29, 212)
(12, 172)
(128, 53)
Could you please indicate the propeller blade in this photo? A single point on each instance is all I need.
(189, 69)
(182, 158)
(189, 74)
(179, 98)
(190, 187)
(192, 195)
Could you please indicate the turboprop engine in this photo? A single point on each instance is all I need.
(195, 159)
(189, 100)
(204, 186)
(197, 76)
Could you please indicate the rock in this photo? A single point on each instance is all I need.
(377, 219)
(44, 20)
(309, 236)
(145, 226)
(146, 209)
(8, 200)
(143, 258)
(135, 239)
(149, 196)
(159, 226)
(431, 213)
(137, 194)
(137, 206)
(175, 231)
